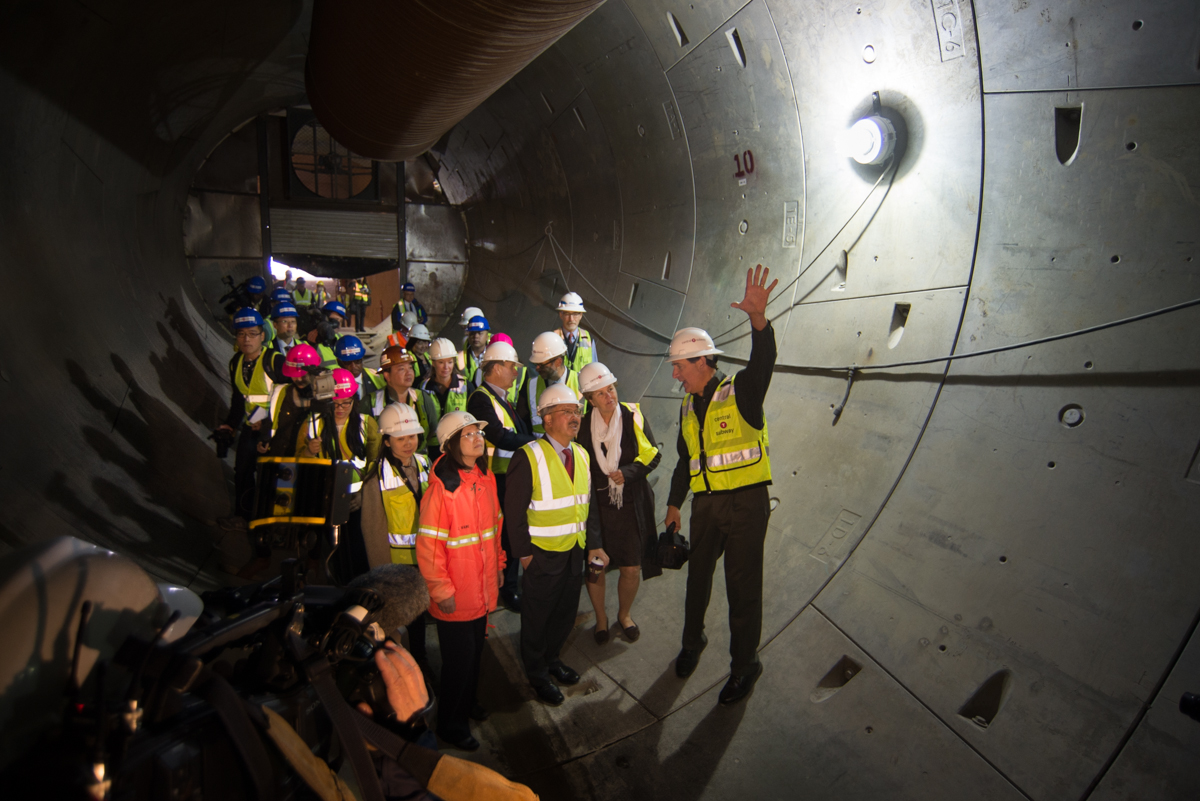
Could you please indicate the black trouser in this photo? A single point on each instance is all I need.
(416, 638)
(549, 603)
(462, 652)
(735, 524)
(245, 472)
(350, 558)
(359, 310)
(512, 567)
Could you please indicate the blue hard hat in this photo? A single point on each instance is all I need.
(281, 295)
(247, 317)
(349, 349)
(256, 284)
(335, 307)
(407, 288)
(284, 309)
(478, 323)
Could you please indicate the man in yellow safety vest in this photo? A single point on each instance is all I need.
(546, 507)
(549, 360)
(724, 460)
(581, 349)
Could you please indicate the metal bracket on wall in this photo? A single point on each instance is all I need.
(837, 412)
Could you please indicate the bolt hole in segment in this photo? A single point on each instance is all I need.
(1071, 415)
(1137, 24)
(666, 273)
(1067, 120)
(984, 704)
(1003, 558)
(1131, 146)
(1051, 465)
(838, 677)
(632, 294)
(899, 320)
(1115, 259)
(942, 648)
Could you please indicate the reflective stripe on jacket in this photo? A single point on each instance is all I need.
(558, 507)
(458, 544)
(400, 506)
(731, 453)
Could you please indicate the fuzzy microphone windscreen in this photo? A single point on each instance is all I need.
(404, 592)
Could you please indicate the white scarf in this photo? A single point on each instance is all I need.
(608, 435)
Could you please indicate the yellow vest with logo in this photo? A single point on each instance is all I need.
(585, 351)
(258, 391)
(456, 398)
(328, 357)
(646, 449)
(536, 388)
(400, 506)
(468, 366)
(498, 458)
(304, 298)
(558, 508)
(732, 453)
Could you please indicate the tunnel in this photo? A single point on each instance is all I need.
(985, 437)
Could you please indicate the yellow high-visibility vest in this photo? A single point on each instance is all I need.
(258, 391)
(402, 510)
(498, 458)
(733, 453)
(646, 449)
(558, 508)
(585, 351)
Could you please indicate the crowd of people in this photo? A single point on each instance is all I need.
(504, 485)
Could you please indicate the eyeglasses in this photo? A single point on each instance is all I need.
(472, 435)
(574, 411)
(341, 403)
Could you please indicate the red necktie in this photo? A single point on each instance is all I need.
(570, 462)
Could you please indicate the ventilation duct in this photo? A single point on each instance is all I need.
(387, 79)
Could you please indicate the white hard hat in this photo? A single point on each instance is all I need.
(471, 311)
(556, 395)
(571, 302)
(442, 348)
(546, 346)
(688, 343)
(453, 422)
(419, 331)
(408, 320)
(399, 420)
(500, 352)
(595, 376)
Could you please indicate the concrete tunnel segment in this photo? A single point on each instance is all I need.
(998, 549)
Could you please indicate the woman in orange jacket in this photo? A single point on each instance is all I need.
(459, 554)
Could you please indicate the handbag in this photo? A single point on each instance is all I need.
(672, 549)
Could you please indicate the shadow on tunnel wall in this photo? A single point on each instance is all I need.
(170, 529)
(160, 94)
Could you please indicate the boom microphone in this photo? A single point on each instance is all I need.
(404, 592)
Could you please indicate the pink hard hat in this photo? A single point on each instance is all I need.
(298, 358)
(344, 384)
(505, 338)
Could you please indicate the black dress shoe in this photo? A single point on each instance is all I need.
(738, 687)
(685, 663)
(563, 674)
(478, 714)
(465, 743)
(511, 600)
(549, 694)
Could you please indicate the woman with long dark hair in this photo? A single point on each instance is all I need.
(352, 438)
(459, 554)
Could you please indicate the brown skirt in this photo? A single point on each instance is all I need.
(621, 539)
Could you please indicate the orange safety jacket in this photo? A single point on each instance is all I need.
(458, 544)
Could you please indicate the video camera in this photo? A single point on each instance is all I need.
(237, 297)
(189, 718)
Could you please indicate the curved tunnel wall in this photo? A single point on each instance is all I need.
(925, 537)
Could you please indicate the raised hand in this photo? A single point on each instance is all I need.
(757, 294)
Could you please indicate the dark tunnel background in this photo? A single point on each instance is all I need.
(1004, 545)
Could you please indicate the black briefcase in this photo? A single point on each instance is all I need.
(672, 549)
